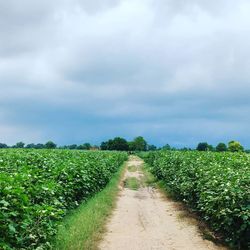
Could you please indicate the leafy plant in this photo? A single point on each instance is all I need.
(216, 185)
(38, 187)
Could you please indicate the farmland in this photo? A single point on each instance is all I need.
(215, 185)
(39, 187)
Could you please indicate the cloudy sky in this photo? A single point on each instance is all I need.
(173, 71)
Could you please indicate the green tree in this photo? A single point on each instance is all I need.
(138, 144)
(19, 144)
(85, 146)
(39, 146)
(31, 145)
(185, 149)
(3, 145)
(110, 144)
(104, 145)
(166, 147)
(152, 147)
(50, 145)
(202, 146)
(119, 144)
(221, 147)
(73, 146)
(235, 146)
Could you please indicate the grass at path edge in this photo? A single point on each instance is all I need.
(84, 227)
(132, 183)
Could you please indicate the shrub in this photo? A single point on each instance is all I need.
(216, 185)
(38, 187)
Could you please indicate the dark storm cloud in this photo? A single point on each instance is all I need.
(173, 71)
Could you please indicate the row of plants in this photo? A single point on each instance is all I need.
(215, 185)
(39, 187)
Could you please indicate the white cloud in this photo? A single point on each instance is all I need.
(122, 59)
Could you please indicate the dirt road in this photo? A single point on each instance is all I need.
(144, 219)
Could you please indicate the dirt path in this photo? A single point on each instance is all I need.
(144, 219)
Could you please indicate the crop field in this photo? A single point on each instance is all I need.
(39, 187)
(216, 185)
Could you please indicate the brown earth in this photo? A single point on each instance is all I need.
(145, 219)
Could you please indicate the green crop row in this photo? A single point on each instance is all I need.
(38, 187)
(216, 185)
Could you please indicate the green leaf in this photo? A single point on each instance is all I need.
(12, 228)
(5, 203)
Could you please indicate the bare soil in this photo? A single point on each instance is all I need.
(145, 219)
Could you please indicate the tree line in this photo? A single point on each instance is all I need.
(137, 144)
(118, 143)
(233, 146)
(48, 145)
(121, 144)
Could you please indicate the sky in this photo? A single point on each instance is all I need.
(173, 71)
